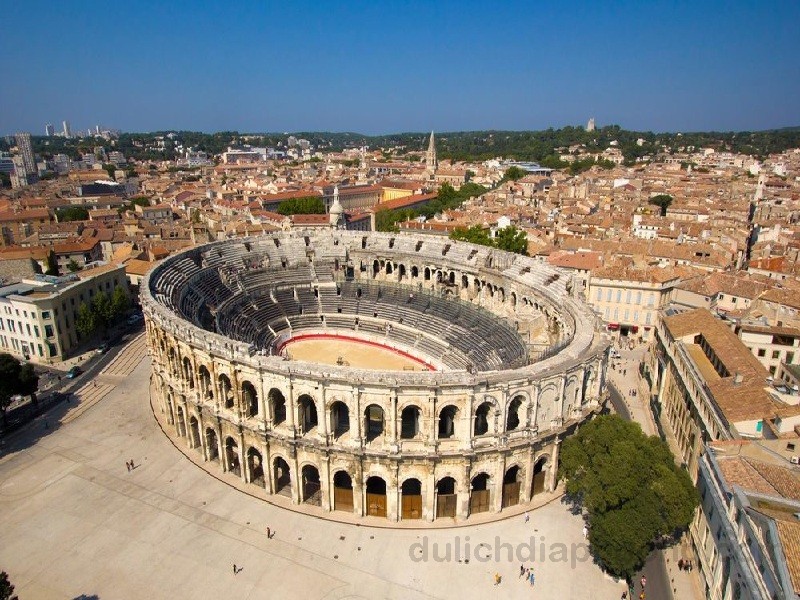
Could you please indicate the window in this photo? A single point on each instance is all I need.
(636, 316)
(647, 319)
(628, 297)
(776, 354)
(638, 297)
(48, 330)
(619, 295)
(625, 316)
(762, 352)
(599, 294)
(789, 358)
(28, 328)
(36, 330)
(608, 296)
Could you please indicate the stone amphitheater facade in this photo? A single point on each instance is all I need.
(520, 363)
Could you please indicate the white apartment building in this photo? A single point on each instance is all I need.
(628, 299)
(771, 345)
(37, 316)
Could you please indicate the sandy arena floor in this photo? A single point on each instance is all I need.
(353, 353)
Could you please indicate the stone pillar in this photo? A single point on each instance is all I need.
(221, 446)
(202, 432)
(291, 406)
(296, 481)
(551, 476)
(243, 459)
(463, 485)
(393, 418)
(325, 483)
(429, 496)
(497, 488)
(393, 494)
(267, 465)
(323, 416)
(359, 491)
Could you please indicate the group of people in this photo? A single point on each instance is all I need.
(527, 573)
(685, 565)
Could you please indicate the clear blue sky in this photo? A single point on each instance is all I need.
(374, 67)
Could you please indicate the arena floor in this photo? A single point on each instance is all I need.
(360, 354)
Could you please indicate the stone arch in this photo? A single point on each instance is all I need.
(249, 398)
(479, 494)
(414, 272)
(277, 405)
(194, 432)
(340, 418)
(232, 456)
(401, 272)
(409, 422)
(375, 488)
(225, 390)
(212, 445)
(188, 372)
(307, 410)
(539, 475)
(411, 499)
(447, 421)
(310, 490)
(484, 418)
(255, 466)
(180, 422)
(511, 486)
(427, 273)
(374, 422)
(446, 497)
(342, 491)
(376, 267)
(513, 299)
(282, 476)
(206, 388)
(515, 413)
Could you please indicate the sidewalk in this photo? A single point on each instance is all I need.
(684, 584)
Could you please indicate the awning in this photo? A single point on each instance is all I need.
(613, 326)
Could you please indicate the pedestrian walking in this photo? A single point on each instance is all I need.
(521, 570)
(531, 578)
(269, 533)
(234, 569)
(127, 464)
(497, 579)
(680, 564)
(643, 581)
(132, 465)
(585, 532)
(527, 518)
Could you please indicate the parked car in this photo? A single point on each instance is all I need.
(74, 372)
(135, 319)
(103, 348)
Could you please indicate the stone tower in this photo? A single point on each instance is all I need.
(430, 157)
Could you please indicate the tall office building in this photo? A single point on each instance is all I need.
(49, 130)
(25, 150)
(67, 130)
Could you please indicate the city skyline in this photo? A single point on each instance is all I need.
(415, 67)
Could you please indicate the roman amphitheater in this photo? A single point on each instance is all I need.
(385, 375)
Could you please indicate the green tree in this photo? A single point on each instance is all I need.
(6, 589)
(514, 173)
(309, 205)
(120, 302)
(109, 168)
(73, 266)
(15, 378)
(662, 201)
(630, 487)
(85, 323)
(71, 213)
(474, 235)
(512, 239)
(102, 310)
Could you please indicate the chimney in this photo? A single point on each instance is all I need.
(737, 378)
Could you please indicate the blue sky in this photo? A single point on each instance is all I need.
(373, 67)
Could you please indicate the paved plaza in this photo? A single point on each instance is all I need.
(75, 523)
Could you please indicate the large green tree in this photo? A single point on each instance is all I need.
(15, 378)
(85, 323)
(512, 239)
(662, 201)
(71, 213)
(630, 487)
(474, 235)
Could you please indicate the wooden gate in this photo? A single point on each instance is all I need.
(478, 501)
(510, 494)
(343, 499)
(376, 505)
(446, 505)
(412, 506)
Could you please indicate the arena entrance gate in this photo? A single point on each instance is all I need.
(376, 497)
(342, 492)
(411, 499)
(479, 494)
(539, 473)
(283, 478)
(511, 486)
(311, 487)
(446, 498)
